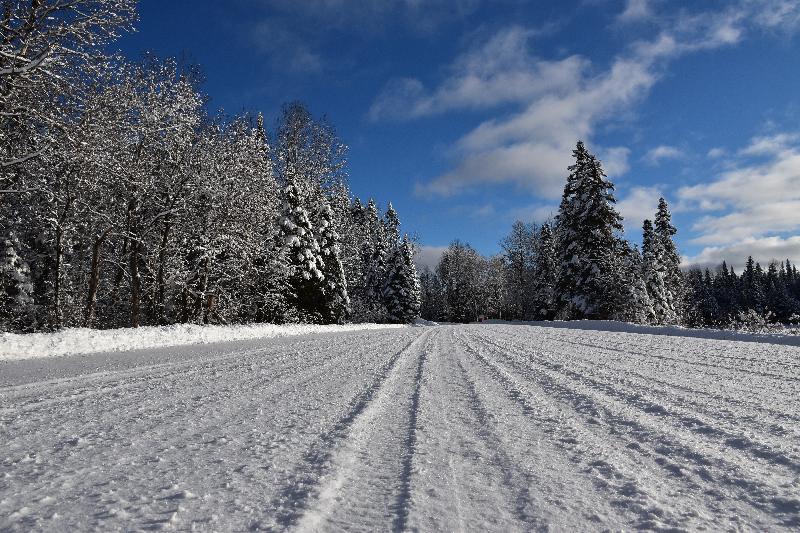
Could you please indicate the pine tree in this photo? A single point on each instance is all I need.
(337, 301)
(673, 277)
(303, 257)
(391, 224)
(633, 302)
(544, 274)
(726, 293)
(375, 254)
(588, 228)
(402, 293)
(655, 276)
(752, 291)
(17, 310)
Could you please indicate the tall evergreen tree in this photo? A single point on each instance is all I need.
(17, 310)
(337, 301)
(673, 277)
(655, 276)
(633, 302)
(752, 291)
(544, 274)
(402, 294)
(303, 257)
(391, 224)
(375, 254)
(588, 231)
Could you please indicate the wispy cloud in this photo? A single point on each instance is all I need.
(558, 101)
(639, 204)
(297, 35)
(658, 154)
(635, 11)
(538, 213)
(754, 198)
(531, 148)
(500, 71)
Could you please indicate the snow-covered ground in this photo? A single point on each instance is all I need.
(466, 428)
(83, 340)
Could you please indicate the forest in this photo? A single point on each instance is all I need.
(123, 202)
(580, 266)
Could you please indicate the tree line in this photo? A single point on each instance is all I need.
(580, 266)
(123, 202)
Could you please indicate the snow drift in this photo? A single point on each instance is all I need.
(83, 340)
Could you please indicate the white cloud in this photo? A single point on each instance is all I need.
(752, 199)
(286, 47)
(428, 256)
(716, 153)
(635, 11)
(538, 213)
(658, 154)
(532, 147)
(638, 205)
(763, 250)
(615, 160)
(500, 71)
(776, 14)
(558, 102)
(769, 145)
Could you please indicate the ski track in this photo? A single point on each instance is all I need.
(450, 428)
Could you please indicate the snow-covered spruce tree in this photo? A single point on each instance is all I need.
(752, 289)
(674, 280)
(633, 304)
(303, 257)
(337, 302)
(588, 228)
(655, 276)
(726, 292)
(375, 254)
(403, 292)
(391, 224)
(17, 309)
(544, 274)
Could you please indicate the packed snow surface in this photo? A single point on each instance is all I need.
(84, 340)
(448, 428)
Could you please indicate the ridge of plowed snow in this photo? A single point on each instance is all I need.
(75, 341)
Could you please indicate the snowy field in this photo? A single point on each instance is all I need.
(465, 428)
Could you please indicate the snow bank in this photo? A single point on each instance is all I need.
(673, 331)
(83, 340)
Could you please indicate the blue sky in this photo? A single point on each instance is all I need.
(463, 113)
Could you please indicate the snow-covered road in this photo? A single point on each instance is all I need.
(465, 428)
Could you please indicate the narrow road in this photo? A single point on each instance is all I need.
(450, 428)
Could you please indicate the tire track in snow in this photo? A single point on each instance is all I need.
(609, 416)
(292, 501)
(516, 480)
(98, 383)
(609, 470)
(404, 496)
(185, 425)
(703, 426)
